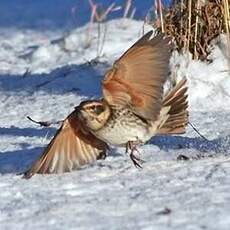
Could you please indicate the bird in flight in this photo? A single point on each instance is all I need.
(133, 109)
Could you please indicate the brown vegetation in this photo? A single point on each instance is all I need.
(195, 23)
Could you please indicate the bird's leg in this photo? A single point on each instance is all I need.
(102, 155)
(127, 147)
(132, 146)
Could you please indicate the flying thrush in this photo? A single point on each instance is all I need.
(133, 109)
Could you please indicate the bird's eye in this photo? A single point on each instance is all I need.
(98, 109)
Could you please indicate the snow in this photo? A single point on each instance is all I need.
(45, 74)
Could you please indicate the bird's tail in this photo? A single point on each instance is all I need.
(177, 115)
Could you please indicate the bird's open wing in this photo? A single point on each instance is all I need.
(70, 148)
(137, 77)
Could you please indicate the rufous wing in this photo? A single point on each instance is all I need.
(137, 77)
(70, 148)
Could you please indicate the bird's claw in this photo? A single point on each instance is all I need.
(136, 160)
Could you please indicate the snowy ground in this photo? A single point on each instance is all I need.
(45, 74)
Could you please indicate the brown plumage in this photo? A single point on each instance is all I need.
(137, 77)
(178, 113)
(71, 147)
(132, 111)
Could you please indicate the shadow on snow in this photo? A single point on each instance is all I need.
(19, 160)
(26, 132)
(167, 143)
(81, 79)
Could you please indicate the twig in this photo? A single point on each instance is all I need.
(181, 21)
(73, 14)
(196, 30)
(161, 16)
(132, 13)
(103, 39)
(106, 12)
(99, 18)
(98, 37)
(45, 123)
(27, 72)
(93, 12)
(196, 130)
(189, 23)
(127, 8)
(227, 26)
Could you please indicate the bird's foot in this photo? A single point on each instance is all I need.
(136, 161)
(102, 155)
(132, 146)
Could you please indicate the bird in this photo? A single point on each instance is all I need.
(134, 107)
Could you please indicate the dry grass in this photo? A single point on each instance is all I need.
(195, 23)
(227, 25)
(99, 15)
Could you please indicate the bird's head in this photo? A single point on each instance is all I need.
(94, 114)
